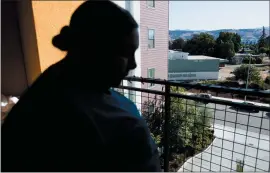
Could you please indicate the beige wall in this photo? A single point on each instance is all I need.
(28, 40)
(49, 18)
(27, 30)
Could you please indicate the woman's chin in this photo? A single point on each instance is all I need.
(117, 83)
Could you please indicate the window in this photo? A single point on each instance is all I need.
(151, 38)
(151, 3)
(151, 74)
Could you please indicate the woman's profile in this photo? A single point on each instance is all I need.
(70, 119)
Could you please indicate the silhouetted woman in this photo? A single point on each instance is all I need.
(69, 119)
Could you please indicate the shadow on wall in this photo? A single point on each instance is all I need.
(13, 74)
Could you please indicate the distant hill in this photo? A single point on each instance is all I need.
(250, 35)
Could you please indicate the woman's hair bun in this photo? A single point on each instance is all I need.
(62, 40)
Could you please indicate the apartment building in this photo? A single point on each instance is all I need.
(152, 55)
(32, 24)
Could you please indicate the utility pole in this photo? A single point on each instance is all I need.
(248, 76)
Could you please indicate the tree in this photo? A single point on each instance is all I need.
(189, 126)
(268, 52)
(267, 80)
(252, 60)
(262, 40)
(258, 60)
(170, 45)
(202, 44)
(236, 39)
(263, 50)
(267, 41)
(178, 43)
(241, 73)
(225, 46)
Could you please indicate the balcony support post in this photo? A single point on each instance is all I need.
(167, 128)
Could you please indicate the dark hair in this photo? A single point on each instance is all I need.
(94, 21)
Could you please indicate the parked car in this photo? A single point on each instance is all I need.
(204, 95)
(254, 110)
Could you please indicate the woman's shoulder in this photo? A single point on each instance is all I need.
(121, 97)
(125, 103)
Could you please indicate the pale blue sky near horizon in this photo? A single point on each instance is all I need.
(213, 15)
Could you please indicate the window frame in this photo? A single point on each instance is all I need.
(150, 5)
(151, 39)
(150, 85)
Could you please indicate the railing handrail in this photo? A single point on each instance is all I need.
(216, 88)
(167, 98)
(190, 97)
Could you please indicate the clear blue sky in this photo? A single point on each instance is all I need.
(211, 15)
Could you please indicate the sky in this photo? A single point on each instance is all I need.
(212, 15)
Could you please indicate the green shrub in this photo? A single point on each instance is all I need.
(258, 60)
(190, 127)
(241, 73)
(246, 60)
(267, 80)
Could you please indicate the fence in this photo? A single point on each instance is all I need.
(204, 133)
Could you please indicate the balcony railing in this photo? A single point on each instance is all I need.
(204, 134)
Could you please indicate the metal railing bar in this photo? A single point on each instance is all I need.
(253, 92)
(217, 101)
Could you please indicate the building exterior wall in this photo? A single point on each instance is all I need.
(49, 18)
(28, 40)
(177, 55)
(189, 69)
(184, 65)
(190, 76)
(156, 18)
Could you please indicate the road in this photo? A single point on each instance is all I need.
(227, 116)
(240, 136)
(227, 148)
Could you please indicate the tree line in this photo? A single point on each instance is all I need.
(225, 46)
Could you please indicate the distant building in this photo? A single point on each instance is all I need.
(182, 67)
(238, 57)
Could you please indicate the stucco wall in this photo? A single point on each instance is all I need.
(50, 17)
(192, 75)
(28, 40)
(201, 65)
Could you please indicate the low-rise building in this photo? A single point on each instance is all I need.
(238, 57)
(182, 67)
